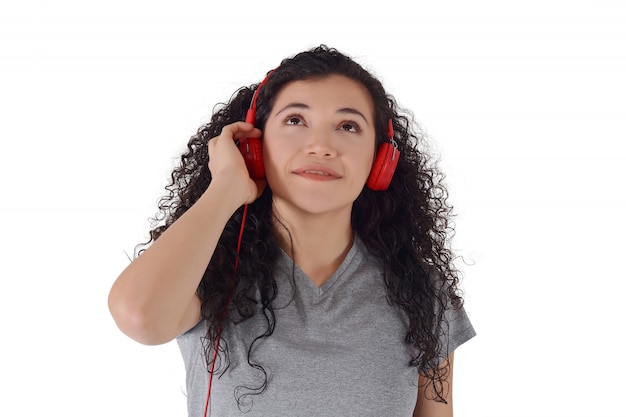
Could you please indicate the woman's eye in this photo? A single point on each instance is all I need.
(350, 127)
(293, 120)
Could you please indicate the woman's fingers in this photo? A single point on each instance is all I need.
(227, 164)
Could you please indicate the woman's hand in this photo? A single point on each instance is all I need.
(227, 165)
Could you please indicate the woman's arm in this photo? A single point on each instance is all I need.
(430, 408)
(154, 299)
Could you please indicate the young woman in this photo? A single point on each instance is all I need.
(323, 286)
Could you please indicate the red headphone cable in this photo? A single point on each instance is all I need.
(219, 329)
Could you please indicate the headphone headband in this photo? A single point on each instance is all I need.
(251, 113)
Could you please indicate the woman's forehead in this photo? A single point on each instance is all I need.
(333, 92)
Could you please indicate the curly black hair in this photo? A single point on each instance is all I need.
(407, 227)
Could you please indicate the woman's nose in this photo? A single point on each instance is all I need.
(321, 145)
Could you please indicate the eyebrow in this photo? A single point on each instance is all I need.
(343, 110)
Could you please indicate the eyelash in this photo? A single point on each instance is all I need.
(299, 118)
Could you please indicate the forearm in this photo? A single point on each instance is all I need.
(154, 299)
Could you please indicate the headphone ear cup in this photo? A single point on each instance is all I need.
(384, 166)
(252, 151)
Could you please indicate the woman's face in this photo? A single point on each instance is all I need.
(319, 144)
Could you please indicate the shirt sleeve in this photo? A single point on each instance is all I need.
(456, 330)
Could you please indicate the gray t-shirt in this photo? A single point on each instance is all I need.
(337, 350)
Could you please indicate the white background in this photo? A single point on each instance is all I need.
(525, 101)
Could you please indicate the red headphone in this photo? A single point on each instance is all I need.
(380, 176)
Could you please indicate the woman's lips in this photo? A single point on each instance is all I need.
(317, 173)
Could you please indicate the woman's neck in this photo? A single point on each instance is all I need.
(318, 244)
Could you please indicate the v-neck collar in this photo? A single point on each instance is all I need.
(303, 279)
